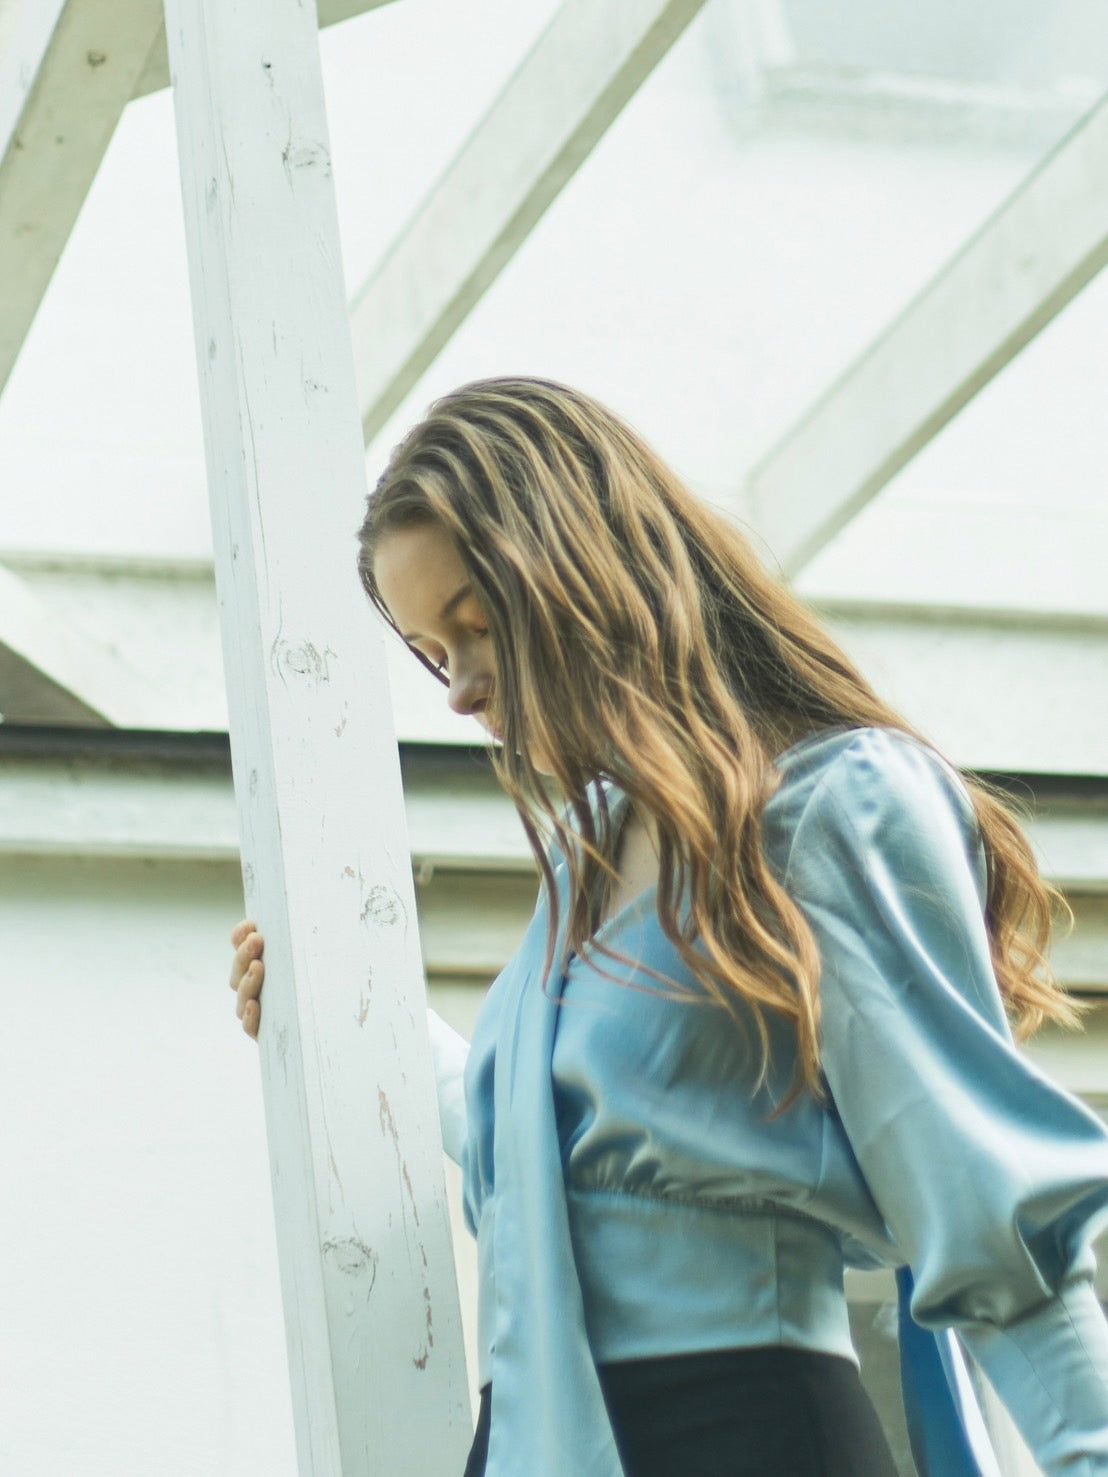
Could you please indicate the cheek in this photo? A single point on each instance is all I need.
(541, 763)
(538, 752)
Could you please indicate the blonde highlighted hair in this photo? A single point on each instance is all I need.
(639, 639)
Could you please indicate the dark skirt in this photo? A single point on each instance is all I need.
(769, 1412)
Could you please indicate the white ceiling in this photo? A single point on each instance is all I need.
(767, 203)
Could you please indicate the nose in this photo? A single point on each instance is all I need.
(469, 691)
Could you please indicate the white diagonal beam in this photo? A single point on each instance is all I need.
(587, 64)
(53, 672)
(1016, 274)
(67, 70)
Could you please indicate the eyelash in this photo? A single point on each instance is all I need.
(441, 667)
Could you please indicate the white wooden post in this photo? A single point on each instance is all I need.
(374, 1340)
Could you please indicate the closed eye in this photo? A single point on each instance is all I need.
(440, 668)
(444, 664)
(436, 668)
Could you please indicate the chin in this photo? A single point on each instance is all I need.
(538, 759)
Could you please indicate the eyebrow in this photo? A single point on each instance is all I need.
(446, 612)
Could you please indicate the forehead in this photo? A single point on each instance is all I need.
(417, 570)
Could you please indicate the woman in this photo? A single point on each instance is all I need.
(758, 1027)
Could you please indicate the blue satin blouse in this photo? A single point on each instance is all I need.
(632, 1193)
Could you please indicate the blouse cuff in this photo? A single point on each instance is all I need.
(449, 1051)
(1050, 1368)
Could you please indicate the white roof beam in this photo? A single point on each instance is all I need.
(1009, 281)
(584, 68)
(155, 74)
(965, 675)
(182, 810)
(1078, 1061)
(474, 901)
(53, 672)
(471, 915)
(82, 803)
(67, 70)
(1021, 696)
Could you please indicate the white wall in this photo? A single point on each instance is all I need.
(143, 1328)
(140, 1302)
(140, 1307)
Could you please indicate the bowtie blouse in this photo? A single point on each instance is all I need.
(633, 1195)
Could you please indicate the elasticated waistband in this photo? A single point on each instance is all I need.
(662, 1276)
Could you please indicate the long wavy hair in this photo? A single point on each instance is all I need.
(638, 639)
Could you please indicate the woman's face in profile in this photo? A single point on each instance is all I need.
(426, 590)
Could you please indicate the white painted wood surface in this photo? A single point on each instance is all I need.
(1011, 279)
(155, 74)
(68, 68)
(161, 624)
(185, 811)
(1021, 691)
(477, 884)
(587, 64)
(67, 71)
(1024, 696)
(370, 1301)
(53, 671)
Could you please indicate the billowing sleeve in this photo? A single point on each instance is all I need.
(992, 1181)
(449, 1051)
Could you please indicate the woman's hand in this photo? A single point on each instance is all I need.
(248, 974)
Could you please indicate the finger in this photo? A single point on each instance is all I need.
(241, 930)
(250, 987)
(247, 952)
(251, 1019)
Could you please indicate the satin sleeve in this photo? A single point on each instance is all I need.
(991, 1180)
(449, 1052)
